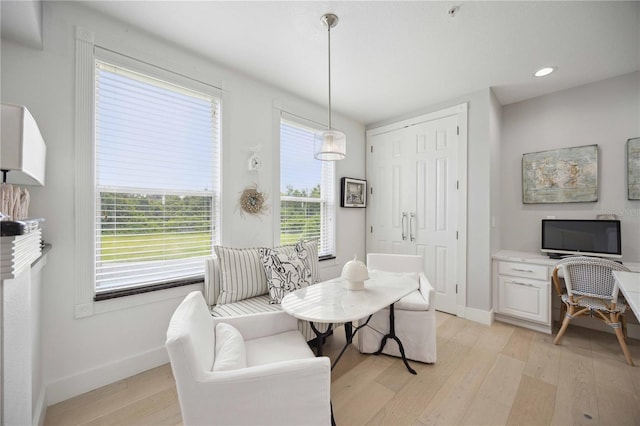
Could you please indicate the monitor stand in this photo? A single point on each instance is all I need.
(557, 256)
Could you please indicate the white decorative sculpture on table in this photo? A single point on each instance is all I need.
(355, 273)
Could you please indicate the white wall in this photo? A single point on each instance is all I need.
(606, 113)
(478, 292)
(495, 135)
(128, 337)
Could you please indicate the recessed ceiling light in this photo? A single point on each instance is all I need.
(545, 71)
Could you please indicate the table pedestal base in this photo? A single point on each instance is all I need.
(350, 332)
(392, 335)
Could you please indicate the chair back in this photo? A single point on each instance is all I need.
(395, 262)
(191, 339)
(591, 276)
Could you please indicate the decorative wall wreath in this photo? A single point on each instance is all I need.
(253, 201)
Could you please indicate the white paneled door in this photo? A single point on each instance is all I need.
(414, 201)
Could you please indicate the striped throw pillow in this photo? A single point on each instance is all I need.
(242, 275)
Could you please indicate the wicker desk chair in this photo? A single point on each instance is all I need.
(592, 290)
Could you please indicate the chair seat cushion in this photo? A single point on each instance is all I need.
(595, 303)
(230, 349)
(279, 347)
(413, 301)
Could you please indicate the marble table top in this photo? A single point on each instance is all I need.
(331, 302)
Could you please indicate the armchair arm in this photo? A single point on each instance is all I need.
(427, 290)
(293, 392)
(262, 324)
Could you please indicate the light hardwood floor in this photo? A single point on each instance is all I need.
(484, 375)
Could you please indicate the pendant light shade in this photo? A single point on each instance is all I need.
(330, 144)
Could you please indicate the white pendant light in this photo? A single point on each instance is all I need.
(330, 144)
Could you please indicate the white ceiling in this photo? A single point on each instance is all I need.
(393, 58)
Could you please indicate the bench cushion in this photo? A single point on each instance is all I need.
(254, 305)
(262, 304)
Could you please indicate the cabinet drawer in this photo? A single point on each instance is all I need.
(536, 272)
(524, 298)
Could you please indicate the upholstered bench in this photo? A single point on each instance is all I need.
(253, 280)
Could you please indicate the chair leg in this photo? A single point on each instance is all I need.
(563, 312)
(615, 324)
(565, 324)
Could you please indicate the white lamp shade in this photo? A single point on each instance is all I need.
(22, 150)
(330, 145)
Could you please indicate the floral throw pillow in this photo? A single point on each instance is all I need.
(286, 270)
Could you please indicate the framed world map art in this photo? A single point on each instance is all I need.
(633, 168)
(568, 175)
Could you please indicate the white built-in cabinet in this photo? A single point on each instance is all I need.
(416, 173)
(22, 396)
(522, 289)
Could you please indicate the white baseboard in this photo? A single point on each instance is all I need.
(40, 409)
(477, 315)
(85, 381)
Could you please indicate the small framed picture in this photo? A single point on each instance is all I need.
(353, 192)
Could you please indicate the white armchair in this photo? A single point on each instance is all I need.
(265, 374)
(415, 317)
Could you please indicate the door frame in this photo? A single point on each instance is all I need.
(461, 111)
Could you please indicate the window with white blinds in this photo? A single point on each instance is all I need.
(157, 175)
(307, 201)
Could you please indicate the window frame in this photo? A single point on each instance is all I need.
(86, 52)
(280, 116)
(151, 72)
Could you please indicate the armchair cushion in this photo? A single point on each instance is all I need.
(285, 346)
(230, 349)
(413, 302)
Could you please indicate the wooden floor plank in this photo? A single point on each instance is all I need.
(410, 401)
(543, 362)
(576, 397)
(519, 345)
(493, 375)
(357, 380)
(498, 389)
(161, 408)
(534, 402)
(94, 404)
(450, 403)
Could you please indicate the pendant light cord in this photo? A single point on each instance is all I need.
(329, 61)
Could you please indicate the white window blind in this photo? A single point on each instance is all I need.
(157, 179)
(307, 201)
